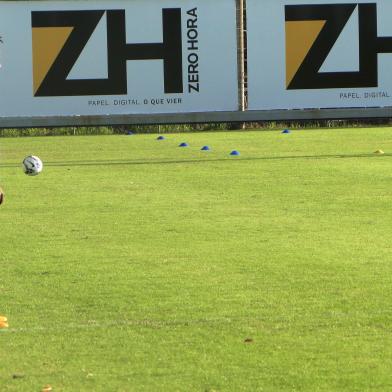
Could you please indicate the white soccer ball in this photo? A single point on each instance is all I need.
(32, 165)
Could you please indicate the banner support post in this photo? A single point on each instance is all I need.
(241, 56)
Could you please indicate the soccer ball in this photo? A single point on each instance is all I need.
(32, 165)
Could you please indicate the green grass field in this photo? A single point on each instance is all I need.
(135, 265)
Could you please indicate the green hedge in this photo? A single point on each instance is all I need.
(118, 130)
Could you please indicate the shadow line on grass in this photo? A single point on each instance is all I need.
(117, 162)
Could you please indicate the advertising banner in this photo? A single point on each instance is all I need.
(319, 54)
(76, 58)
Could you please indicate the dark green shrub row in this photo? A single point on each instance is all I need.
(116, 130)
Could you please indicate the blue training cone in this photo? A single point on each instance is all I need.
(286, 131)
(161, 138)
(235, 153)
(130, 133)
(205, 148)
(184, 144)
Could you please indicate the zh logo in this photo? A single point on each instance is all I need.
(59, 37)
(311, 33)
